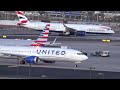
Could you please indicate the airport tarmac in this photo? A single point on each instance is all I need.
(61, 38)
(100, 64)
(19, 31)
(33, 34)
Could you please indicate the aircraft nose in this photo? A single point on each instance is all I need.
(112, 31)
(84, 57)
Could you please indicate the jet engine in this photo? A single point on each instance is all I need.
(31, 59)
(81, 33)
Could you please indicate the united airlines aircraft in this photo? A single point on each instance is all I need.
(28, 54)
(65, 29)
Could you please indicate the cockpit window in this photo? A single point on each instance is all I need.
(79, 53)
(109, 28)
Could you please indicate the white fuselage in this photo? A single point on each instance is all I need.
(59, 27)
(45, 53)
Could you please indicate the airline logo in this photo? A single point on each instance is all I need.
(43, 37)
(52, 52)
(22, 18)
(20, 12)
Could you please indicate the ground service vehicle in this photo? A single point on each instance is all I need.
(101, 53)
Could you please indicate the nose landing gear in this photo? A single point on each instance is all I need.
(75, 65)
(22, 62)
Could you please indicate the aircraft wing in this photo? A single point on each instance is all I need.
(53, 43)
(8, 54)
(68, 29)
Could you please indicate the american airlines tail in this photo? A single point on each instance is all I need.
(22, 18)
(43, 37)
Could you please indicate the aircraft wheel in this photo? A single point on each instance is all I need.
(75, 65)
(22, 62)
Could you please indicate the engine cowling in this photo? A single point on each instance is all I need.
(81, 33)
(31, 59)
(72, 33)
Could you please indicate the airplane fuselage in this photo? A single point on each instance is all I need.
(44, 53)
(58, 27)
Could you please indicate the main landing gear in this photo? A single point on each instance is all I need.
(75, 65)
(21, 60)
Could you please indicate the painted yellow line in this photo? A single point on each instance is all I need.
(108, 40)
(104, 40)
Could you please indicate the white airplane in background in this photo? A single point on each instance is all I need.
(32, 55)
(65, 29)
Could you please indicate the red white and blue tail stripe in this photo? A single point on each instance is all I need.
(22, 18)
(43, 37)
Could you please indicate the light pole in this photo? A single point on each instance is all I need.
(117, 19)
(104, 19)
(29, 70)
(113, 18)
(91, 68)
(82, 18)
(97, 13)
(109, 21)
(17, 66)
(97, 17)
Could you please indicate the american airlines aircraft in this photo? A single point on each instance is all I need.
(28, 54)
(65, 29)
